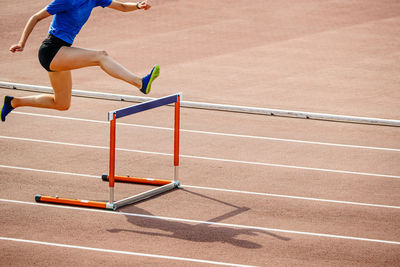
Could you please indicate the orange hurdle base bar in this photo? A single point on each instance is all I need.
(137, 180)
(74, 202)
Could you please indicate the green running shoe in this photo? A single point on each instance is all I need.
(148, 80)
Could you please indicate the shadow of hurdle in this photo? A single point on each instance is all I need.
(201, 232)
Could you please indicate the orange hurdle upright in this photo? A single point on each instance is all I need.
(176, 138)
(164, 185)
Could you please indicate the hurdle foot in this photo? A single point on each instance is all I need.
(37, 198)
(111, 206)
(177, 184)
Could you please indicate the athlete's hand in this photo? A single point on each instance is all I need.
(16, 48)
(144, 5)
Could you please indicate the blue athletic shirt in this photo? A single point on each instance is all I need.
(70, 16)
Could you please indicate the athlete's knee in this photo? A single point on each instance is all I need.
(101, 55)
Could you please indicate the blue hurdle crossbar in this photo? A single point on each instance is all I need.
(119, 113)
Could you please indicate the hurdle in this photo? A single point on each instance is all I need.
(111, 178)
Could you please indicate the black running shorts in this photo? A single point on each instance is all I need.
(49, 49)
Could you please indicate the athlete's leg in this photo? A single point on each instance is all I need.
(69, 58)
(62, 86)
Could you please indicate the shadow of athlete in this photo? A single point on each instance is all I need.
(194, 232)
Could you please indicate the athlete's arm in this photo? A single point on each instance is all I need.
(129, 6)
(42, 14)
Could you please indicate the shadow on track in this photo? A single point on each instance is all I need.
(195, 232)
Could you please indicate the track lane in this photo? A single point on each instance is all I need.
(203, 205)
(131, 232)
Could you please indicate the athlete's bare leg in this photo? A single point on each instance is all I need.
(69, 58)
(62, 85)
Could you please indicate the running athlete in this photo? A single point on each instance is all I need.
(58, 57)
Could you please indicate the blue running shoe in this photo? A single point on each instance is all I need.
(7, 108)
(148, 80)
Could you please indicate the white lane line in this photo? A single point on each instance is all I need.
(49, 171)
(216, 133)
(205, 158)
(118, 252)
(292, 166)
(220, 189)
(206, 222)
(293, 197)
